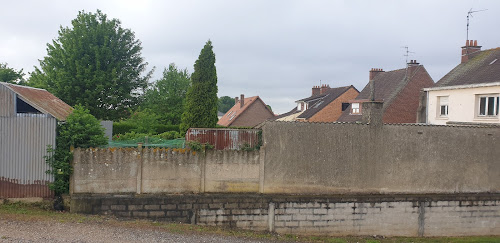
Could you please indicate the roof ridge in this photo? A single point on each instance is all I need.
(22, 86)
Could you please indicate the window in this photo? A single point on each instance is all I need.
(23, 107)
(443, 106)
(488, 105)
(355, 108)
(344, 106)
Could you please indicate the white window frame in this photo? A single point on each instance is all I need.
(486, 98)
(356, 108)
(443, 102)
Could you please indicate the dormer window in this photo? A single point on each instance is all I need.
(355, 108)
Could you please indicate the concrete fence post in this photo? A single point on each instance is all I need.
(203, 168)
(139, 169)
(270, 216)
(262, 158)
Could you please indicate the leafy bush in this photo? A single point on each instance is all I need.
(81, 130)
(129, 136)
(169, 135)
(197, 146)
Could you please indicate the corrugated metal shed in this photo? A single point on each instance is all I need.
(40, 99)
(224, 139)
(28, 119)
(23, 143)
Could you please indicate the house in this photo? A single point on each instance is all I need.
(220, 114)
(28, 119)
(469, 93)
(246, 112)
(399, 91)
(324, 105)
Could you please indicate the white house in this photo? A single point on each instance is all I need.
(468, 94)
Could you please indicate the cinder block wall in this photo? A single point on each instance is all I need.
(397, 215)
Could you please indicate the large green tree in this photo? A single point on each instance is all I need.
(201, 99)
(10, 75)
(225, 103)
(166, 96)
(96, 63)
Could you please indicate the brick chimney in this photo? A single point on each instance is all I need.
(374, 72)
(324, 88)
(412, 66)
(470, 50)
(236, 100)
(242, 100)
(315, 90)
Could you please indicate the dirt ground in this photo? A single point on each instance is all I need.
(12, 230)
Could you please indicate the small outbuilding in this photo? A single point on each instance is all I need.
(28, 121)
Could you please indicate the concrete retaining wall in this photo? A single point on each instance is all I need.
(130, 170)
(321, 158)
(398, 215)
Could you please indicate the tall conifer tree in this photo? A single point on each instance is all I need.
(201, 99)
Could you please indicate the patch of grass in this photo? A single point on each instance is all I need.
(43, 212)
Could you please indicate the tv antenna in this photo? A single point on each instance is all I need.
(407, 52)
(469, 14)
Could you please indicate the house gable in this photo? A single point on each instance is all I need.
(332, 111)
(253, 115)
(404, 106)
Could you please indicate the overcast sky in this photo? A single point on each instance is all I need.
(275, 49)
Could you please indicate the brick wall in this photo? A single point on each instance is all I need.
(397, 215)
(405, 106)
(332, 111)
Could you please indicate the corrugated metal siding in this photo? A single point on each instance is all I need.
(223, 139)
(23, 144)
(7, 102)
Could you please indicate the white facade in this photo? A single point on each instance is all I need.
(478, 103)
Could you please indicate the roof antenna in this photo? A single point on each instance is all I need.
(407, 53)
(469, 14)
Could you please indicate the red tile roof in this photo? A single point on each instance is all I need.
(237, 110)
(42, 100)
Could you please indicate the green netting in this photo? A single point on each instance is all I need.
(149, 142)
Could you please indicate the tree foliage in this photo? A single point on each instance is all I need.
(225, 104)
(96, 63)
(10, 75)
(166, 96)
(201, 99)
(81, 130)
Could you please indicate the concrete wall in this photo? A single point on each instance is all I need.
(417, 215)
(129, 170)
(463, 105)
(319, 158)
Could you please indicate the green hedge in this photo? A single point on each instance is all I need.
(127, 127)
(160, 128)
(123, 127)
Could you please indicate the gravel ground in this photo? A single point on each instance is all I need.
(53, 231)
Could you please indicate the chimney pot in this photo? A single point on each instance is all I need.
(242, 100)
(236, 100)
(475, 43)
